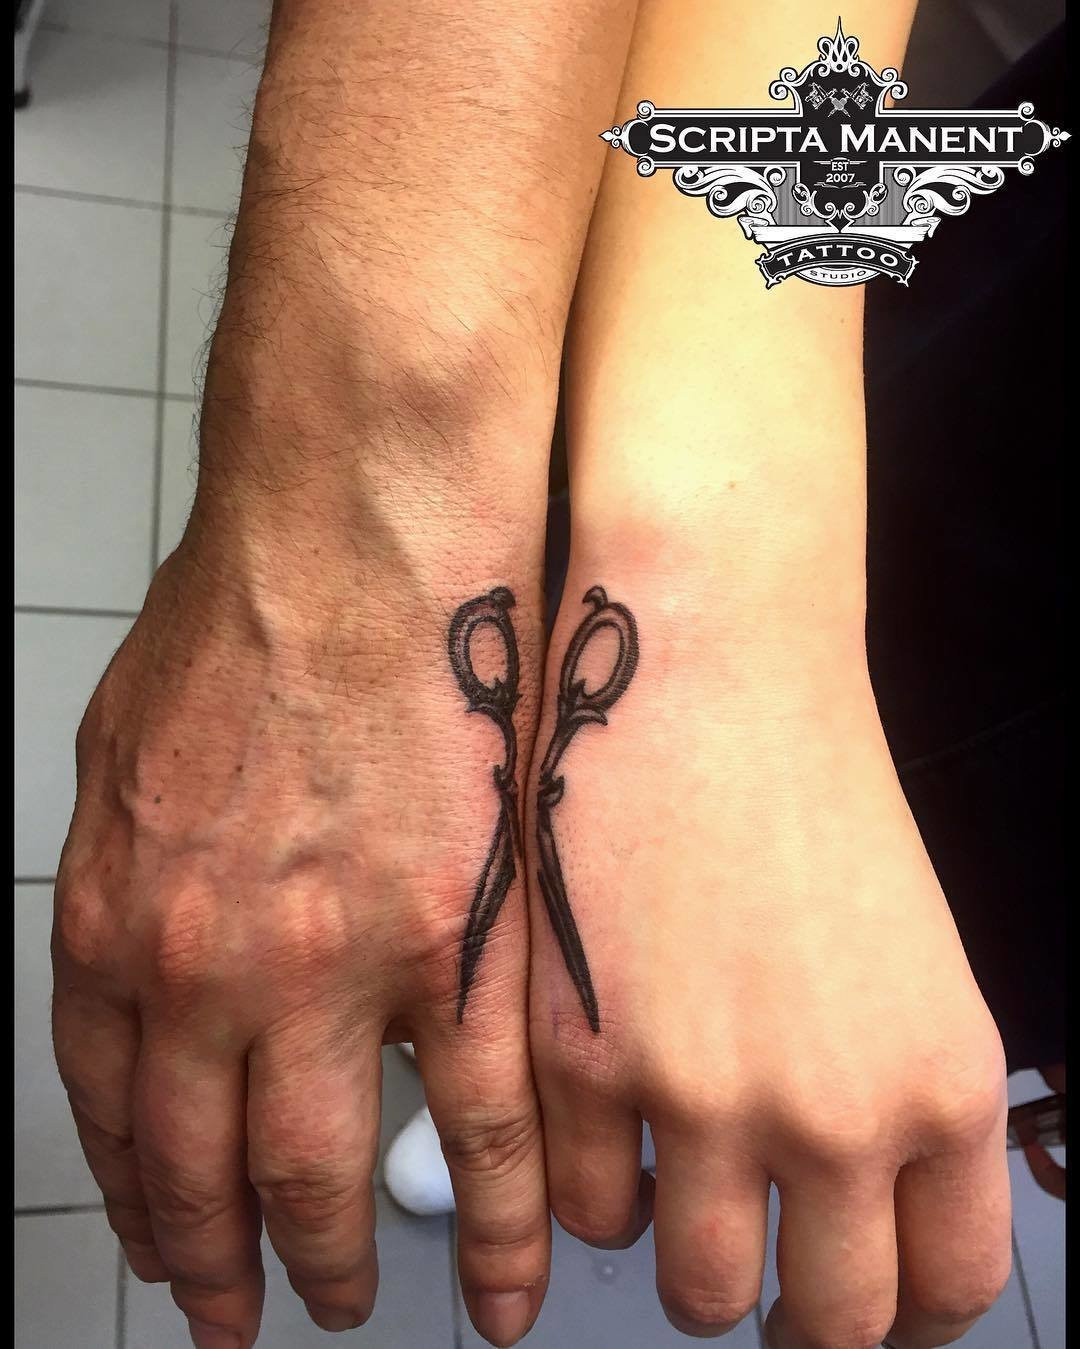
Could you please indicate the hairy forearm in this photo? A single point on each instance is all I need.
(403, 258)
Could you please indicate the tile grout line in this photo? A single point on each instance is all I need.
(53, 1210)
(62, 611)
(163, 295)
(121, 1298)
(1025, 1292)
(132, 40)
(105, 199)
(455, 1302)
(68, 386)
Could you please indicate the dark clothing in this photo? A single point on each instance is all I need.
(965, 410)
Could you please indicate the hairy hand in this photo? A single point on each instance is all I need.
(283, 811)
(766, 971)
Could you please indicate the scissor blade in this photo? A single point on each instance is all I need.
(495, 880)
(553, 888)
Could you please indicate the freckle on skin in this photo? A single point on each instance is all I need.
(157, 800)
(239, 767)
(273, 697)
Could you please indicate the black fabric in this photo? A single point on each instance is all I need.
(965, 409)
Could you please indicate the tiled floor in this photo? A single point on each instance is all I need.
(128, 169)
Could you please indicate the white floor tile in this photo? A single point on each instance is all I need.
(602, 1299)
(238, 28)
(214, 96)
(65, 1281)
(413, 1311)
(58, 662)
(1039, 1224)
(96, 122)
(124, 18)
(178, 475)
(49, 1164)
(198, 256)
(86, 292)
(84, 471)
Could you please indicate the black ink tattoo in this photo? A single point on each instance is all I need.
(575, 707)
(496, 700)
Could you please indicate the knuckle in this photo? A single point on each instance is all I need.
(310, 1199)
(842, 1141)
(965, 1301)
(684, 1111)
(578, 1061)
(144, 1261)
(88, 735)
(852, 1330)
(129, 1222)
(181, 1203)
(967, 1093)
(490, 1143)
(101, 1140)
(195, 1281)
(965, 1115)
(309, 935)
(706, 1306)
(83, 928)
(185, 948)
(586, 1223)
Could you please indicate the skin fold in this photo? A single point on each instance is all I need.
(283, 802)
(782, 994)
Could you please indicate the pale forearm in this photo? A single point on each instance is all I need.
(716, 428)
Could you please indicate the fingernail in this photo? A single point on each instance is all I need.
(334, 1318)
(502, 1318)
(206, 1336)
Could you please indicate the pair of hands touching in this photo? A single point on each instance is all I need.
(285, 807)
(283, 811)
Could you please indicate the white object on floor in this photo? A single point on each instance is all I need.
(407, 1049)
(414, 1170)
(416, 1174)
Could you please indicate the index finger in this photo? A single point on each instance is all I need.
(481, 1097)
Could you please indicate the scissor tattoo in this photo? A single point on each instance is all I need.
(496, 700)
(576, 706)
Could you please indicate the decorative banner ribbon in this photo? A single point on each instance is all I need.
(852, 256)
